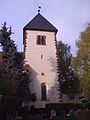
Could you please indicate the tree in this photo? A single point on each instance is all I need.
(68, 82)
(8, 60)
(81, 62)
(3, 87)
(23, 87)
(17, 80)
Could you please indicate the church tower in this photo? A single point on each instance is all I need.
(40, 55)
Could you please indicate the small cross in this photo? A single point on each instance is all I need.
(39, 8)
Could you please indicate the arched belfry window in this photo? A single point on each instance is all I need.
(43, 91)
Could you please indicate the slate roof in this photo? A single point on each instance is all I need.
(40, 23)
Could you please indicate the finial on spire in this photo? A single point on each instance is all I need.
(39, 8)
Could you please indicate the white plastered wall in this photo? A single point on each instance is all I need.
(47, 65)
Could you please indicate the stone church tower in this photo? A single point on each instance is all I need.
(40, 56)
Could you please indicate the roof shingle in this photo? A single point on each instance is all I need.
(40, 23)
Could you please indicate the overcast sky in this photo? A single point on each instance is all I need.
(70, 17)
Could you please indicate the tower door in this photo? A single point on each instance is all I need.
(43, 91)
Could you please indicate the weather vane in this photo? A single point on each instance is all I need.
(39, 8)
